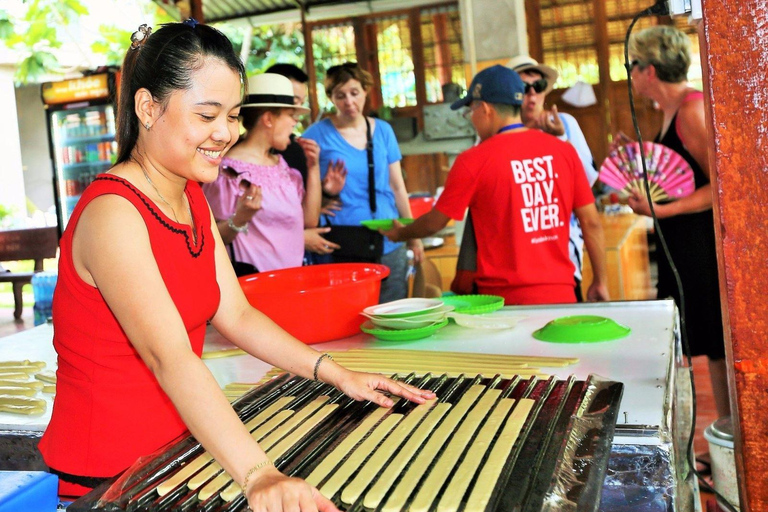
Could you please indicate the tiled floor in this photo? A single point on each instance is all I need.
(8, 325)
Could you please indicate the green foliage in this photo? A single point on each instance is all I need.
(43, 27)
(270, 44)
(6, 25)
(113, 44)
(38, 34)
(6, 214)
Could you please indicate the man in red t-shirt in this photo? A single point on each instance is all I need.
(520, 186)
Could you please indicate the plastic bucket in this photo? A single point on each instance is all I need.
(316, 303)
(719, 435)
(420, 205)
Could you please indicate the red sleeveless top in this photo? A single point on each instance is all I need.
(109, 408)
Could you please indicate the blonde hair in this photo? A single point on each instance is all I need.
(667, 48)
(343, 73)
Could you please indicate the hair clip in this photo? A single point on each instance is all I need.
(140, 37)
(192, 22)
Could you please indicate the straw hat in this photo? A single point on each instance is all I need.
(271, 90)
(524, 62)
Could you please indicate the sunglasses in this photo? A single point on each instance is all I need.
(635, 63)
(339, 67)
(538, 86)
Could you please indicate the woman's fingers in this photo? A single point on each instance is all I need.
(323, 503)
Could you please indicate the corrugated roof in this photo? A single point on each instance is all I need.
(221, 10)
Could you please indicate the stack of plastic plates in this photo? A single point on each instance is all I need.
(405, 319)
(474, 304)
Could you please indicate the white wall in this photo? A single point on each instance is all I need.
(11, 181)
(35, 157)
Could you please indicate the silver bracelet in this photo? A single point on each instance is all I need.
(320, 360)
(237, 229)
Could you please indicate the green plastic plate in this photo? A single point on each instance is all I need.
(474, 304)
(377, 224)
(402, 334)
(581, 329)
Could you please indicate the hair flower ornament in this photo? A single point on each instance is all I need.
(140, 37)
(191, 22)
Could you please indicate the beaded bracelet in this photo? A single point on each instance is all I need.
(317, 363)
(255, 468)
(236, 229)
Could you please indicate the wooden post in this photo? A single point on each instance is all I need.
(196, 8)
(533, 18)
(734, 59)
(309, 64)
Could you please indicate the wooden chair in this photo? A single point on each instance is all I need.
(427, 282)
(25, 244)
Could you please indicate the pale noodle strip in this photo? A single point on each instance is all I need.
(204, 458)
(438, 475)
(332, 486)
(331, 460)
(451, 498)
(374, 496)
(397, 499)
(292, 423)
(418, 355)
(384, 452)
(489, 475)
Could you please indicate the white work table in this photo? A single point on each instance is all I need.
(642, 360)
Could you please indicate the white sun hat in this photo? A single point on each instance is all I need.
(271, 90)
(524, 62)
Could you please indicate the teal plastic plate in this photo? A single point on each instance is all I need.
(377, 224)
(581, 329)
(401, 334)
(474, 304)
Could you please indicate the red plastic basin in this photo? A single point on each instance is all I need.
(316, 303)
(420, 205)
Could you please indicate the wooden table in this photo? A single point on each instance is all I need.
(626, 252)
(445, 257)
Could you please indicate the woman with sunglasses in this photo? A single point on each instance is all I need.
(539, 80)
(374, 188)
(660, 57)
(258, 201)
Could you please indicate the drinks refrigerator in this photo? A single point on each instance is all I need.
(81, 127)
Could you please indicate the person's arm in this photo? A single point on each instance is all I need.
(594, 243)
(397, 184)
(575, 137)
(426, 225)
(312, 195)
(693, 131)
(246, 207)
(117, 260)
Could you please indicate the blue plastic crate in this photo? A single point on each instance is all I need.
(30, 491)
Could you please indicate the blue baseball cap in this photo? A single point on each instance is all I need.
(497, 84)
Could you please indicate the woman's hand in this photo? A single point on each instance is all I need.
(417, 247)
(330, 206)
(312, 152)
(335, 178)
(247, 205)
(549, 122)
(639, 203)
(313, 242)
(272, 491)
(620, 139)
(368, 386)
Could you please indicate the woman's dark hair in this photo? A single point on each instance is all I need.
(289, 71)
(163, 63)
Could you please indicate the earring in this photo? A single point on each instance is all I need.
(146, 125)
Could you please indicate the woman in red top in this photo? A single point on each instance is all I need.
(142, 269)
